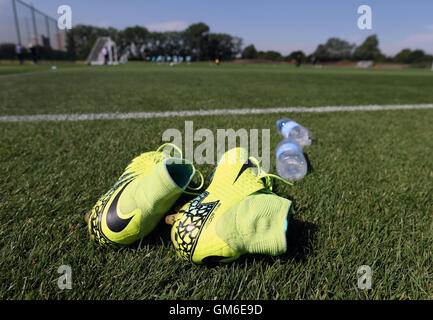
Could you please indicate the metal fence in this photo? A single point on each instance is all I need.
(23, 24)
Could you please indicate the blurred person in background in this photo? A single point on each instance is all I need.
(20, 53)
(105, 53)
(298, 60)
(314, 60)
(33, 53)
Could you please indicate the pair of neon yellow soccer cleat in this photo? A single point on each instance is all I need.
(235, 215)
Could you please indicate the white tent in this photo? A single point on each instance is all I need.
(96, 56)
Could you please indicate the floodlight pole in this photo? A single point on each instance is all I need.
(17, 26)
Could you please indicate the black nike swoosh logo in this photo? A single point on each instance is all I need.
(245, 166)
(114, 222)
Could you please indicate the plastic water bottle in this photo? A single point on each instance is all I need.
(294, 132)
(291, 163)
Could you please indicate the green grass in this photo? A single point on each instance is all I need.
(149, 87)
(13, 68)
(367, 201)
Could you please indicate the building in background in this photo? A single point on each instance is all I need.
(60, 43)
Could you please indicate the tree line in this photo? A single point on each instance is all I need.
(336, 49)
(138, 42)
(198, 42)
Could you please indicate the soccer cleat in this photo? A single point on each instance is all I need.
(237, 214)
(147, 189)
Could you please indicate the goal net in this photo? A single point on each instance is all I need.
(104, 51)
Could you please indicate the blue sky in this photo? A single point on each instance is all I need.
(270, 25)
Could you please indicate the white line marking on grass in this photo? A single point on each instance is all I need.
(192, 113)
(20, 74)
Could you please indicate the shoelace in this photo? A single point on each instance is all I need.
(160, 155)
(267, 176)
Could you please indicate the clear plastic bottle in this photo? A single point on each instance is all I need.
(294, 132)
(291, 163)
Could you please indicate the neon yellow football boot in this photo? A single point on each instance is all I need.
(147, 189)
(237, 214)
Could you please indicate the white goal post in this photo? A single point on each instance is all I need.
(97, 57)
